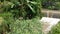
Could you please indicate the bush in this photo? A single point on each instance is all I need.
(23, 8)
(11, 26)
(32, 26)
(51, 4)
(6, 20)
(27, 9)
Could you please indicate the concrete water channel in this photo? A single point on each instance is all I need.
(51, 13)
(50, 19)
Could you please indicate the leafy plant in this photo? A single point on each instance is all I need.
(32, 26)
(23, 8)
(27, 9)
(5, 21)
(51, 4)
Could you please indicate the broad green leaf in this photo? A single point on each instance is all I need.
(31, 8)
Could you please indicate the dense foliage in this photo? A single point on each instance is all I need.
(22, 8)
(19, 16)
(26, 27)
(11, 26)
(51, 4)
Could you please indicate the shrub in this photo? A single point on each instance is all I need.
(32, 26)
(11, 26)
(6, 20)
(51, 4)
(27, 9)
(23, 8)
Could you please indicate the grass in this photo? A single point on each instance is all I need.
(19, 26)
(32, 26)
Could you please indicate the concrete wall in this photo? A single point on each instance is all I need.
(51, 13)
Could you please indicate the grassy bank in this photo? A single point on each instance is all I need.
(11, 26)
(32, 26)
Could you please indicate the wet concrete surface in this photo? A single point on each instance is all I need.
(51, 13)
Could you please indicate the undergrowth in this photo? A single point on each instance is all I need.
(32, 26)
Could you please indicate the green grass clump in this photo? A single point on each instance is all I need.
(55, 29)
(18, 26)
(32, 26)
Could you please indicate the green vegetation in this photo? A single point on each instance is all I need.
(51, 4)
(55, 29)
(20, 16)
(11, 26)
(22, 8)
(32, 26)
